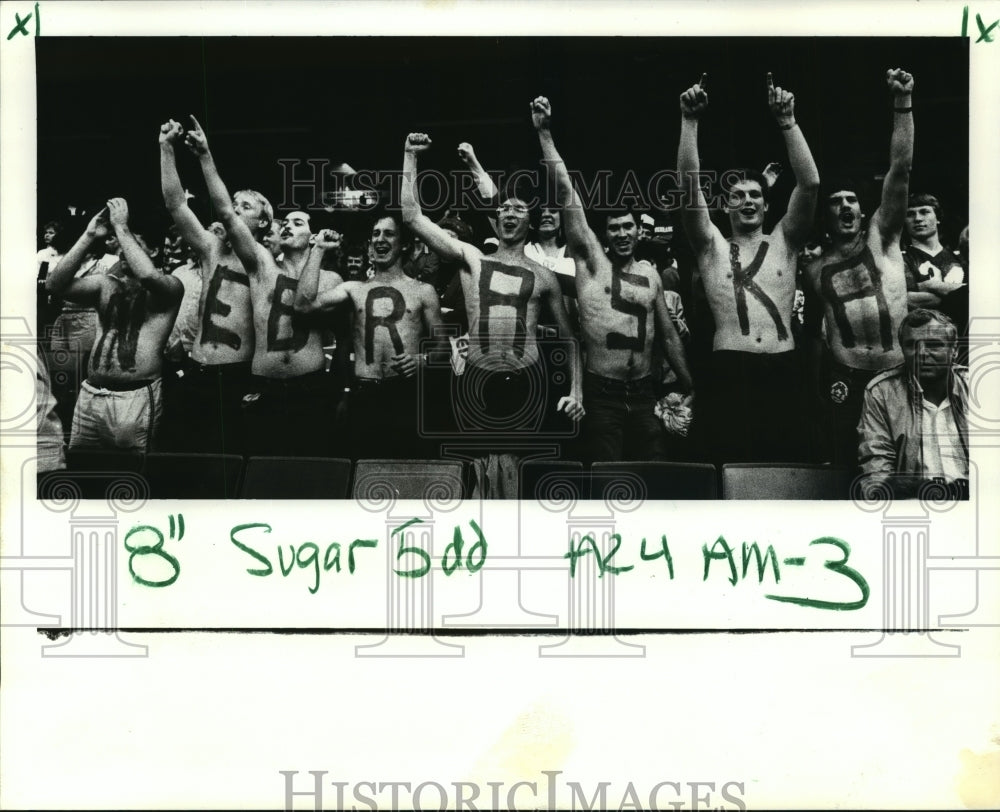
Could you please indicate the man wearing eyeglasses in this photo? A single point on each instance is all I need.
(503, 296)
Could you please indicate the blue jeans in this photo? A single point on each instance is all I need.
(620, 423)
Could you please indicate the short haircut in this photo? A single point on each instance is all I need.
(840, 183)
(55, 225)
(921, 316)
(924, 199)
(614, 214)
(462, 229)
(265, 205)
(757, 177)
(405, 234)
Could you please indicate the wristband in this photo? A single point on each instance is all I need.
(903, 109)
(788, 126)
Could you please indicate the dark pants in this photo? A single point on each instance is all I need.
(383, 419)
(620, 423)
(750, 408)
(842, 396)
(290, 416)
(202, 408)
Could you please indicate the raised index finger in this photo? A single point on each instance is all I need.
(197, 126)
(770, 86)
(701, 81)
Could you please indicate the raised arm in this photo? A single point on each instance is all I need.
(484, 183)
(673, 347)
(173, 193)
(167, 290)
(802, 205)
(697, 223)
(436, 238)
(581, 240)
(308, 297)
(240, 237)
(60, 280)
(891, 215)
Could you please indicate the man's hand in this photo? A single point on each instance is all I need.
(118, 212)
(170, 132)
(195, 139)
(97, 228)
(541, 113)
(327, 239)
(417, 142)
(771, 172)
(467, 154)
(900, 82)
(694, 100)
(781, 102)
(573, 407)
(405, 364)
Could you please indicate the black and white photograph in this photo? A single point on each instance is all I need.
(464, 404)
(287, 267)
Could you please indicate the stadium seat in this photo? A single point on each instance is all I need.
(95, 459)
(552, 479)
(780, 481)
(296, 478)
(193, 476)
(408, 479)
(653, 480)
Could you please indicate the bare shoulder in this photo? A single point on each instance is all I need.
(330, 279)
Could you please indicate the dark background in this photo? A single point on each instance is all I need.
(354, 99)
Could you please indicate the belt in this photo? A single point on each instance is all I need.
(192, 367)
(616, 384)
(317, 378)
(123, 386)
(375, 383)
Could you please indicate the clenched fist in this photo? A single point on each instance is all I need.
(327, 239)
(170, 132)
(900, 82)
(541, 113)
(417, 142)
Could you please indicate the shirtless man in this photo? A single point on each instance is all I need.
(204, 412)
(752, 412)
(288, 407)
(861, 282)
(392, 314)
(622, 313)
(503, 295)
(120, 402)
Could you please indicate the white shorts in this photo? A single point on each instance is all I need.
(117, 420)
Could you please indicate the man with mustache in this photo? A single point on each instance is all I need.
(860, 279)
(392, 313)
(752, 408)
(288, 407)
(622, 311)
